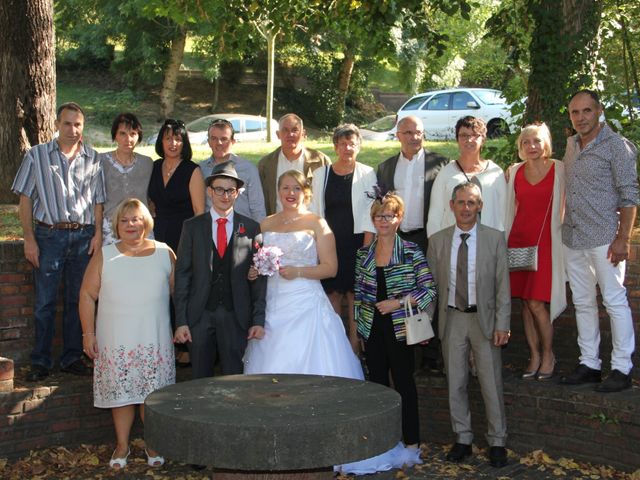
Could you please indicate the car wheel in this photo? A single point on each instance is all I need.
(497, 128)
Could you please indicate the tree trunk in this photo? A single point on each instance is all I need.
(28, 80)
(562, 58)
(271, 53)
(168, 92)
(216, 94)
(344, 79)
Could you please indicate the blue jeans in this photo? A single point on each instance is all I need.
(63, 255)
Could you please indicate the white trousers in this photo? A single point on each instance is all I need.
(585, 269)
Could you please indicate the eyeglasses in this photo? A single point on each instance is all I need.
(466, 136)
(386, 218)
(219, 191)
(412, 133)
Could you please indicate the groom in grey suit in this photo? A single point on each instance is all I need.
(469, 263)
(217, 308)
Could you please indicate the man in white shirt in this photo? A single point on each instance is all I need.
(469, 263)
(411, 174)
(291, 155)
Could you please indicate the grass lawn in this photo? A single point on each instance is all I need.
(372, 154)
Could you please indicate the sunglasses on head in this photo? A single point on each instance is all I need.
(220, 122)
(171, 122)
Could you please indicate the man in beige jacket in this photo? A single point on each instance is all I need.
(291, 155)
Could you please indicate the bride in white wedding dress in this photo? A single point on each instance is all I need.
(303, 334)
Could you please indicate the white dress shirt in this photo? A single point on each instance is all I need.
(409, 182)
(471, 264)
(285, 165)
(214, 226)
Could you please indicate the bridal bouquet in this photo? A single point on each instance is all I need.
(267, 260)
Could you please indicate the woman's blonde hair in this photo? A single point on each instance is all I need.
(391, 202)
(539, 129)
(301, 180)
(127, 205)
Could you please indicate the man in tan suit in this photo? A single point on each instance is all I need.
(469, 263)
(291, 155)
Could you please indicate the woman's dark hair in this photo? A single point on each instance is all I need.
(130, 121)
(177, 128)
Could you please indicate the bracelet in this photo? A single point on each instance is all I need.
(88, 333)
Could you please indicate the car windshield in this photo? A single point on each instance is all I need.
(382, 124)
(491, 97)
(199, 125)
(415, 102)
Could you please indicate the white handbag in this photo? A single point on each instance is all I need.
(418, 323)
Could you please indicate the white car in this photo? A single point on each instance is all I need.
(247, 128)
(439, 110)
(380, 130)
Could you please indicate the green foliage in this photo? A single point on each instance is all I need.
(604, 419)
(100, 105)
(503, 151)
(82, 43)
(318, 101)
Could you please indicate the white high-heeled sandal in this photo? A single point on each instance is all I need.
(154, 461)
(119, 462)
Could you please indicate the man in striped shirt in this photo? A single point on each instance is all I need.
(62, 192)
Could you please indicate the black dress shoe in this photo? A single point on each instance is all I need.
(37, 373)
(498, 456)
(459, 452)
(582, 374)
(615, 382)
(78, 368)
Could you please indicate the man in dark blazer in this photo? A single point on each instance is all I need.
(217, 308)
(475, 313)
(411, 174)
(414, 187)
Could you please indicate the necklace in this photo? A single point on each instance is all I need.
(134, 251)
(287, 221)
(124, 164)
(171, 170)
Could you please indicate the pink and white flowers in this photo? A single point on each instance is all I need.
(267, 260)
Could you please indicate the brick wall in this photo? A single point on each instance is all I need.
(574, 422)
(16, 303)
(60, 413)
(566, 421)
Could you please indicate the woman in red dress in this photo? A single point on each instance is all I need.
(535, 207)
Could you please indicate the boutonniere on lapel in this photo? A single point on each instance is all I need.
(241, 229)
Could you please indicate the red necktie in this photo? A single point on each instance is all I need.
(222, 236)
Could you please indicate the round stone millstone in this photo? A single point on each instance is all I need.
(272, 422)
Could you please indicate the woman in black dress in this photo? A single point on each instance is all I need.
(176, 188)
(340, 196)
(176, 193)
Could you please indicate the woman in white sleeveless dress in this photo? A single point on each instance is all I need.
(131, 339)
(303, 334)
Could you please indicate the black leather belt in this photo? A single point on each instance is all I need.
(64, 225)
(469, 309)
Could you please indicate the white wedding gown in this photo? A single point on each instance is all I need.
(304, 335)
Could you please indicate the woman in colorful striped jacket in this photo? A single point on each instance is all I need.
(390, 272)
